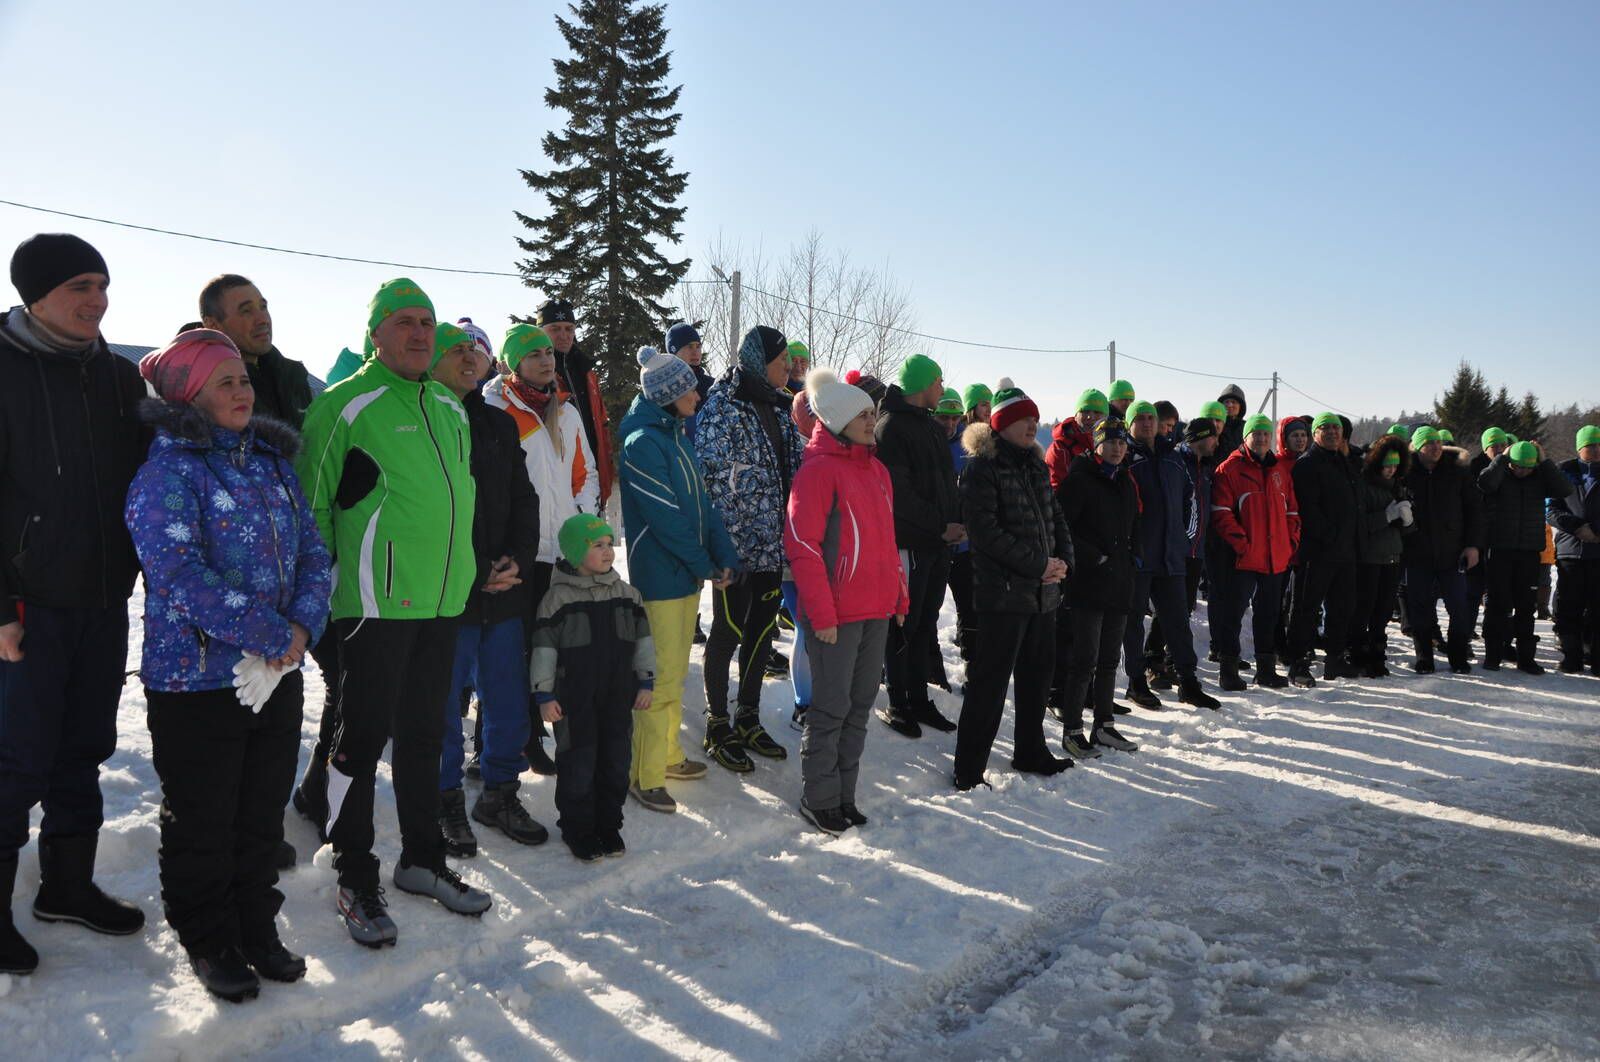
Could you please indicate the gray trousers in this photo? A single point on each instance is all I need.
(844, 683)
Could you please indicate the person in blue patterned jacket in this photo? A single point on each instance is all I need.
(750, 450)
(236, 587)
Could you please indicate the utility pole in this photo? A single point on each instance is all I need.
(1111, 348)
(1274, 396)
(734, 334)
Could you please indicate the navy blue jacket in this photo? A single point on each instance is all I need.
(1167, 527)
(1579, 508)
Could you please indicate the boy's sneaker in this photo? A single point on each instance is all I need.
(900, 722)
(927, 715)
(657, 799)
(445, 885)
(459, 840)
(366, 916)
(686, 770)
(797, 721)
(830, 821)
(1078, 747)
(754, 737)
(499, 807)
(1107, 737)
(724, 747)
(853, 814)
(611, 843)
(585, 847)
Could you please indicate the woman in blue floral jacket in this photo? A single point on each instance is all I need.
(236, 586)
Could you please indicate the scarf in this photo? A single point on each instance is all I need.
(548, 411)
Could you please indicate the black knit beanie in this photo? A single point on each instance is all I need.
(44, 262)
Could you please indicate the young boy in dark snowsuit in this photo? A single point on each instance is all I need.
(588, 621)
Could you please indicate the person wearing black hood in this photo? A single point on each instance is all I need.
(70, 443)
(1232, 434)
(914, 448)
(1325, 484)
(1386, 517)
(576, 375)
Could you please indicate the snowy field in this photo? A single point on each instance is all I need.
(1388, 869)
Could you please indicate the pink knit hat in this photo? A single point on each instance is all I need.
(181, 368)
(800, 411)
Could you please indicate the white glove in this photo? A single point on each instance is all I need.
(254, 680)
(1392, 512)
(1406, 516)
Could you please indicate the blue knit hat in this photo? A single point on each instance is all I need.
(663, 378)
(681, 335)
(761, 347)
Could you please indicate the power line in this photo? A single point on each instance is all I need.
(261, 246)
(1191, 372)
(1315, 400)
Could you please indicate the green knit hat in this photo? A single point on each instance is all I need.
(1424, 435)
(445, 337)
(522, 340)
(1095, 401)
(400, 293)
(1525, 454)
(1492, 437)
(1121, 390)
(1588, 435)
(1511, 440)
(1391, 459)
(1397, 430)
(579, 533)
(950, 405)
(1259, 422)
(1139, 409)
(1214, 411)
(1446, 436)
(1325, 419)
(918, 373)
(974, 394)
(798, 349)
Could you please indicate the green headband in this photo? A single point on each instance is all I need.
(1121, 390)
(1214, 411)
(950, 405)
(1259, 422)
(1525, 454)
(1391, 459)
(1492, 437)
(1423, 436)
(1094, 401)
(1588, 435)
(1140, 409)
(447, 337)
(1325, 420)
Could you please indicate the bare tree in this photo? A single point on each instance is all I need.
(849, 317)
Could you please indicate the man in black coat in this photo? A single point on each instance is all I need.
(1232, 430)
(70, 442)
(1101, 507)
(1446, 546)
(232, 305)
(1021, 553)
(914, 448)
(1326, 483)
(489, 641)
(1516, 486)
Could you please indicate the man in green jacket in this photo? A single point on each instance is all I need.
(386, 464)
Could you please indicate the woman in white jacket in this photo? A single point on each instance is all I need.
(560, 463)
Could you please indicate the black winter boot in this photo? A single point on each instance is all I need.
(1424, 661)
(1139, 693)
(311, 797)
(1267, 674)
(499, 807)
(1300, 674)
(1230, 680)
(459, 840)
(16, 954)
(226, 974)
(1190, 692)
(67, 892)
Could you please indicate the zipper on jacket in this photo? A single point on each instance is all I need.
(204, 643)
(450, 543)
(388, 569)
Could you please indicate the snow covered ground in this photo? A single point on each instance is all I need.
(1388, 869)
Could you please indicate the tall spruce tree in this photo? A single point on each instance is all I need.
(610, 188)
(1529, 421)
(1503, 412)
(1466, 407)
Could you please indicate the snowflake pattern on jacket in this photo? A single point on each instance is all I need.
(229, 547)
(744, 472)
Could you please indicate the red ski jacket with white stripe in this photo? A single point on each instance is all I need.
(1253, 509)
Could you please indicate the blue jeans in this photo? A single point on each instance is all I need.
(490, 659)
(799, 661)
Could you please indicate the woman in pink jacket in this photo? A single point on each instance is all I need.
(839, 540)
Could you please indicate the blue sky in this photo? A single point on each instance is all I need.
(1355, 195)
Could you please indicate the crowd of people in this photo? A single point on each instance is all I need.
(432, 530)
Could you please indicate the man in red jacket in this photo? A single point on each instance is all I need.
(1253, 510)
(1075, 435)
